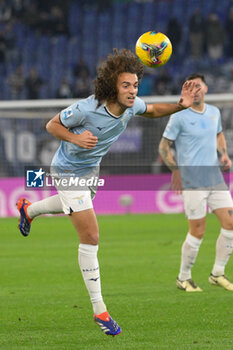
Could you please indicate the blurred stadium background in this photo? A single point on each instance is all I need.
(49, 54)
(60, 40)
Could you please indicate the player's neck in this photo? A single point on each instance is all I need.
(115, 109)
(198, 107)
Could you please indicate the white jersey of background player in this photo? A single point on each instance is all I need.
(197, 133)
(87, 129)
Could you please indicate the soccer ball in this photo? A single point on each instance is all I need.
(153, 49)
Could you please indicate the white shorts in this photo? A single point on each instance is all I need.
(74, 196)
(73, 201)
(195, 202)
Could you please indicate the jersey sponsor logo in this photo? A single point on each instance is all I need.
(68, 113)
(203, 124)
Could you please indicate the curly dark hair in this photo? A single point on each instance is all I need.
(123, 61)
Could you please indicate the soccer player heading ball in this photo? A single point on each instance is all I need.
(87, 129)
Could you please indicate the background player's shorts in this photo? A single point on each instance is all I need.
(195, 202)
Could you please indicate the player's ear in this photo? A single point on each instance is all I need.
(206, 88)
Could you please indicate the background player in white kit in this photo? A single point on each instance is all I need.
(87, 130)
(197, 134)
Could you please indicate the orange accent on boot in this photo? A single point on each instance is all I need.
(104, 316)
(27, 203)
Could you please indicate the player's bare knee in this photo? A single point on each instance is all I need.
(197, 229)
(228, 225)
(92, 237)
(198, 234)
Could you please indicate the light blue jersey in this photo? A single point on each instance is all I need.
(195, 136)
(84, 115)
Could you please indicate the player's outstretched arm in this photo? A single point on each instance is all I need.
(84, 140)
(166, 155)
(158, 110)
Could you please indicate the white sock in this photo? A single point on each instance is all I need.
(224, 247)
(50, 205)
(189, 251)
(89, 266)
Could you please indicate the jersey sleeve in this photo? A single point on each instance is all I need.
(139, 106)
(219, 127)
(72, 116)
(173, 128)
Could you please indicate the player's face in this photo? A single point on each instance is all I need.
(127, 87)
(200, 95)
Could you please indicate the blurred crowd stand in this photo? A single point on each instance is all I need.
(52, 49)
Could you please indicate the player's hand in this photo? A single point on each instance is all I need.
(85, 140)
(176, 182)
(187, 94)
(226, 162)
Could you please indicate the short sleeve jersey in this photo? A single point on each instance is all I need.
(195, 136)
(84, 115)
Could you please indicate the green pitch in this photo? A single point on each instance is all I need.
(44, 303)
